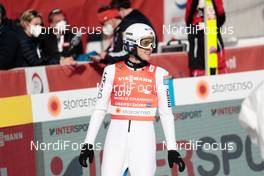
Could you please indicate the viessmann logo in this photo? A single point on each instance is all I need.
(132, 78)
(203, 89)
(9, 137)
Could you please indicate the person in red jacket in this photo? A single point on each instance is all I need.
(194, 19)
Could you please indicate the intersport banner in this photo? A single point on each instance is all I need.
(208, 135)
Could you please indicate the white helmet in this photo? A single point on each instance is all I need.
(138, 35)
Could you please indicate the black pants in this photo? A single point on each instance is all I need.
(196, 48)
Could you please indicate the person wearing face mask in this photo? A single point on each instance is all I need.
(109, 19)
(28, 35)
(56, 43)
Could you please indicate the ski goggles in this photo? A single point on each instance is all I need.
(146, 42)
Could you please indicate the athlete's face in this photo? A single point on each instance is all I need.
(144, 54)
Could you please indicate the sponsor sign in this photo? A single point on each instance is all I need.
(216, 88)
(16, 158)
(36, 79)
(58, 146)
(63, 105)
(15, 111)
(210, 143)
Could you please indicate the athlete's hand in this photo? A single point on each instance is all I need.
(175, 157)
(86, 152)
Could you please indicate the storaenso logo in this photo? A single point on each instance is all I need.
(135, 112)
(232, 87)
(9, 137)
(101, 87)
(79, 103)
(68, 129)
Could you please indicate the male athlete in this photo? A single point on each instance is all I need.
(135, 90)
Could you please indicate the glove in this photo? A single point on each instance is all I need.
(175, 157)
(86, 152)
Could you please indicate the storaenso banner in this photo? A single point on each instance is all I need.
(209, 138)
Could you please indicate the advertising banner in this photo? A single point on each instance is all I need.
(209, 139)
(215, 88)
(58, 145)
(15, 111)
(16, 158)
(36, 79)
(12, 83)
(63, 105)
(211, 142)
(69, 78)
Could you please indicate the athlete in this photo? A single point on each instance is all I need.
(135, 91)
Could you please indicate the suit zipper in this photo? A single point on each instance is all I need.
(129, 124)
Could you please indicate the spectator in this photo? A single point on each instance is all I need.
(195, 20)
(109, 19)
(56, 43)
(8, 41)
(129, 16)
(28, 35)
